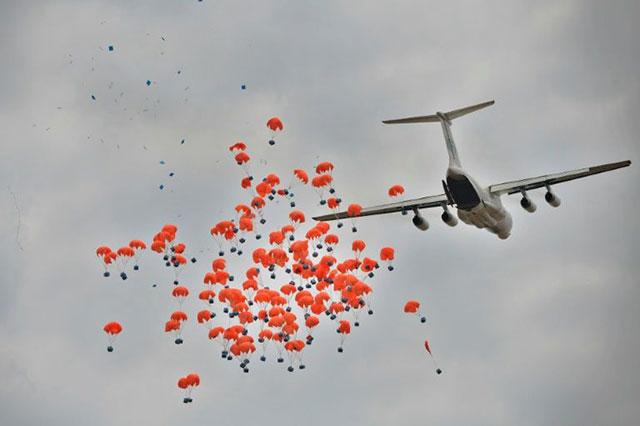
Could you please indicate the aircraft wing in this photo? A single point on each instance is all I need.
(542, 181)
(409, 205)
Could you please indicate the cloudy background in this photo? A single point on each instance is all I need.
(538, 329)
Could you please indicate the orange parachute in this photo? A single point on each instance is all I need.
(188, 383)
(216, 332)
(331, 240)
(245, 224)
(323, 227)
(413, 307)
(137, 244)
(107, 257)
(297, 217)
(174, 325)
(276, 238)
(102, 250)
(320, 183)
(388, 254)
(242, 158)
(180, 293)
(124, 254)
(274, 123)
(396, 190)
(344, 328)
(272, 179)
(301, 175)
(112, 329)
(243, 210)
(258, 203)
(238, 146)
(218, 264)
(179, 316)
(246, 182)
(358, 246)
(334, 204)
(324, 167)
(294, 351)
(125, 251)
(158, 246)
(170, 229)
(208, 296)
(263, 189)
(205, 317)
(353, 211)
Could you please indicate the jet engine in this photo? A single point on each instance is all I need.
(419, 221)
(448, 218)
(527, 204)
(552, 199)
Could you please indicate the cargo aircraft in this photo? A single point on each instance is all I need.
(477, 205)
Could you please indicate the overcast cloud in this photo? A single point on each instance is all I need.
(538, 329)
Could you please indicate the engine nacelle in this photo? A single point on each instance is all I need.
(420, 222)
(527, 204)
(449, 219)
(552, 199)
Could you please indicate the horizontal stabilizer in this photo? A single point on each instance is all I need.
(419, 119)
(464, 111)
(435, 118)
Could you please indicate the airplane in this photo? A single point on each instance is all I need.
(476, 205)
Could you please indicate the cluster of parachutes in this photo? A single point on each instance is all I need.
(120, 258)
(292, 280)
(188, 383)
(292, 283)
(163, 243)
(173, 253)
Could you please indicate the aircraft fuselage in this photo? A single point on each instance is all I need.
(476, 205)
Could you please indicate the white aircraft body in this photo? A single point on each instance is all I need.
(475, 204)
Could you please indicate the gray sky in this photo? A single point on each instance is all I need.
(538, 329)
